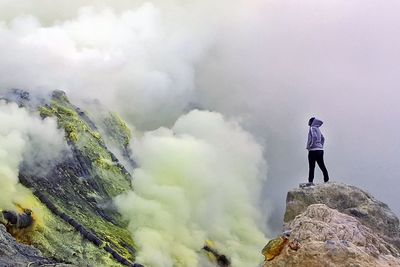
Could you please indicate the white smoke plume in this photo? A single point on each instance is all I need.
(138, 57)
(25, 137)
(198, 181)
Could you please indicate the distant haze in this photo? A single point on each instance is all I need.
(269, 65)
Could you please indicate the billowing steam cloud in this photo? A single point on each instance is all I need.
(25, 137)
(140, 58)
(198, 181)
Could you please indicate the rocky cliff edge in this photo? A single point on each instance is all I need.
(335, 224)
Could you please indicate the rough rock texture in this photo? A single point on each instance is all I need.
(349, 200)
(332, 234)
(78, 223)
(330, 238)
(18, 255)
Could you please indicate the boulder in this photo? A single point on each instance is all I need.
(338, 225)
(349, 200)
(333, 239)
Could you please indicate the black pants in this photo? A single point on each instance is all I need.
(316, 156)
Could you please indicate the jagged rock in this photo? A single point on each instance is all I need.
(325, 221)
(14, 254)
(214, 256)
(274, 247)
(349, 200)
(330, 238)
(78, 220)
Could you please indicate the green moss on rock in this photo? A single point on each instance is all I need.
(57, 240)
(84, 194)
(117, 129)
(90, 143)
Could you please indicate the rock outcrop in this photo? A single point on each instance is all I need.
(349, 200)
(78, 223)
(338, 225)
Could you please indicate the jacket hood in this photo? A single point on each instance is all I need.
(316, 123)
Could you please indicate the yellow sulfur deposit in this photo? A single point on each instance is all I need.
(274, 247)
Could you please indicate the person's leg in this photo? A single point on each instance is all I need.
(321, 164)
(311, 166)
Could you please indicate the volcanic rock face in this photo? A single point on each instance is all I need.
(332, 233)
(19, 255)
(78, 223)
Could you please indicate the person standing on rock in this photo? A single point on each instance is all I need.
(315, 147)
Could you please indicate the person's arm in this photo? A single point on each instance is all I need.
(310, 139)
(314, 136)
(317, 135)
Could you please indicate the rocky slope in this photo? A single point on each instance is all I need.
(78, 223)
(20, 255)
(338, 225)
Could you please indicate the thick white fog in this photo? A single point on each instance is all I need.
(268, 65)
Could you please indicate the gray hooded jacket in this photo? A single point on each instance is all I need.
(315, 138)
